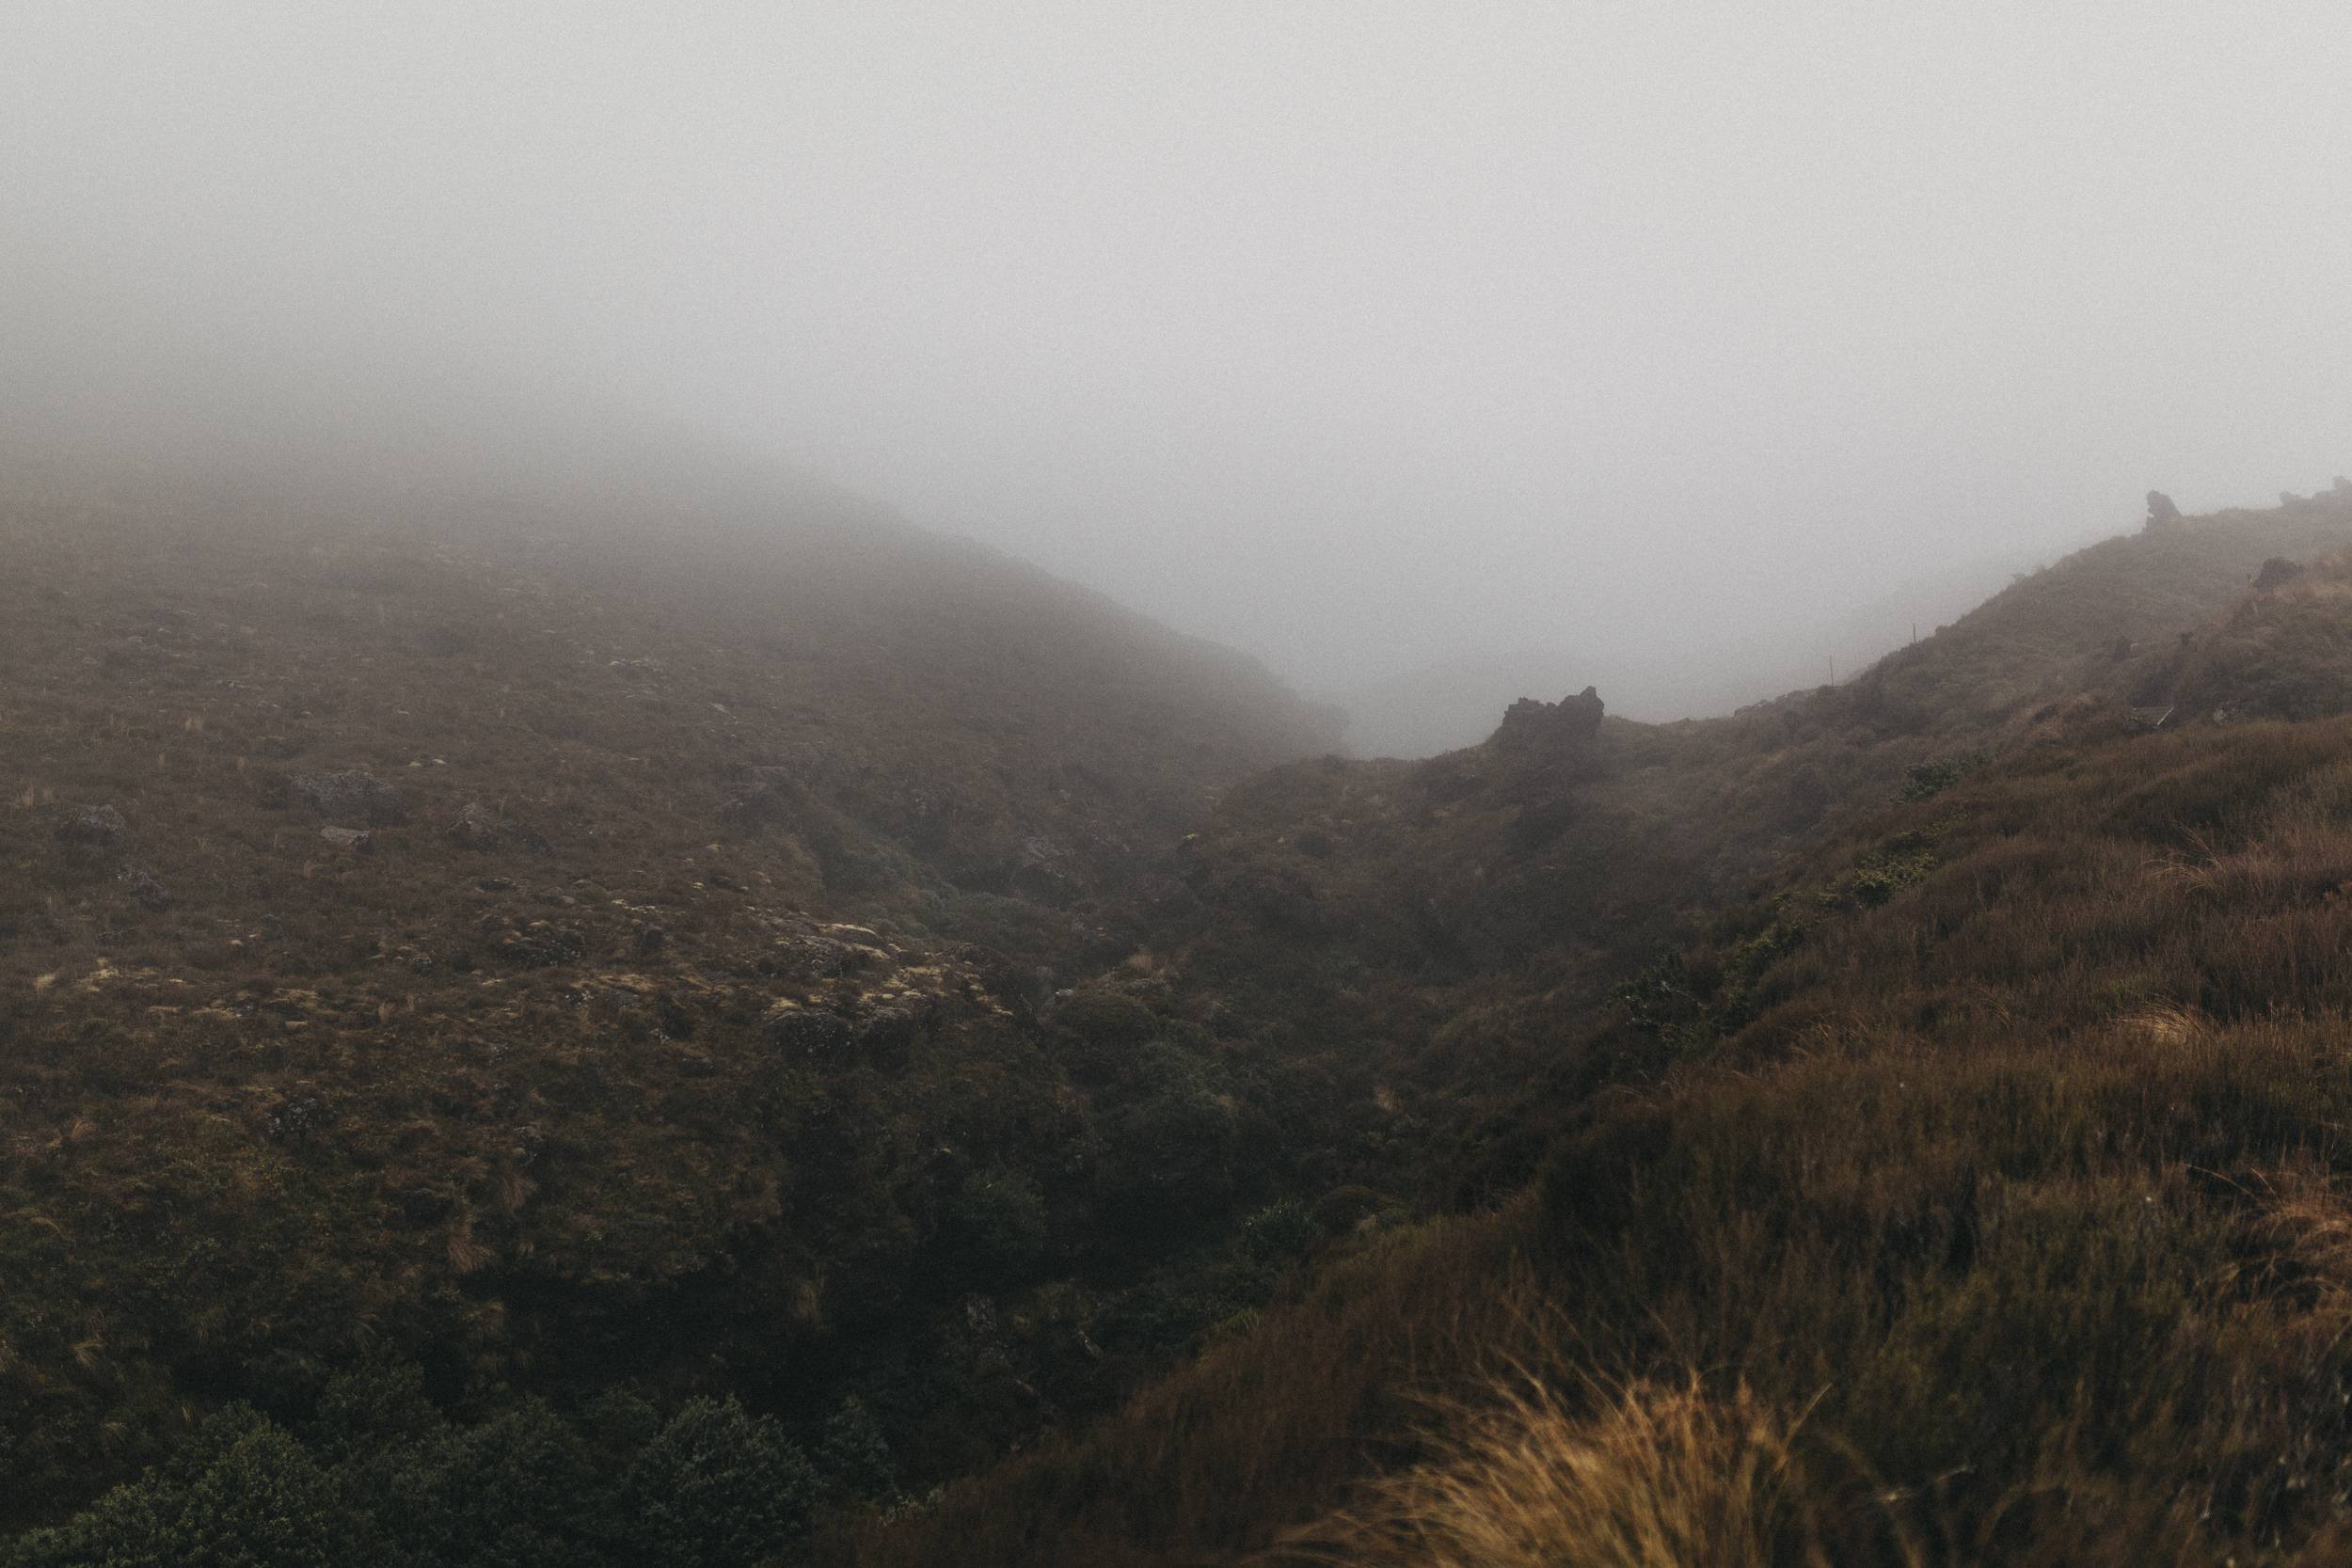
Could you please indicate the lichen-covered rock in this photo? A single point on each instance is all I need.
(94, 824)
(358, 841)
(352, 794)
(144, 887)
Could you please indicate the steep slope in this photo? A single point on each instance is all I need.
(1867, 1127)
(1992, 1208)
(554, 942)
(1447, 928)
(780, 1105)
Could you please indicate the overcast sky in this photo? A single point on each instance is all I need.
(1358, 336)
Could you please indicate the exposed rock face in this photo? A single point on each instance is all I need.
(1568, 721)
(357, 840)
(94, 824)
(476, 828)
(2161, 512)
(2277, 572)
(354, 794)
(144, 887)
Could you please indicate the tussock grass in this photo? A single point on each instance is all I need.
(1661, 1476)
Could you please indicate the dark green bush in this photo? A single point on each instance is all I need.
(998, 1219)
(717, 1489)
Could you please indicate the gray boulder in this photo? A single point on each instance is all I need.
(352, 794)
(144, 887)
(94, 824)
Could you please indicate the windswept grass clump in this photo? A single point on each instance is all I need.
(1660, 1474)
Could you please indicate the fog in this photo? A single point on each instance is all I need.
(1694, 346)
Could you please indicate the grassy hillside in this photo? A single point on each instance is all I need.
(1995, 1211)
(562, 952)
(812, 966)
(1967, 1183)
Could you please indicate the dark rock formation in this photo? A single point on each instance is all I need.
(2277, 572)
(352, 794)
(94, 824)
(2161, 512)
(476, 828)
(1568, 721)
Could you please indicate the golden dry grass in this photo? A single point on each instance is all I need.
(1659, 1476)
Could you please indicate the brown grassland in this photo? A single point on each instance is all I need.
(2001, 1223)
(1898, 1123)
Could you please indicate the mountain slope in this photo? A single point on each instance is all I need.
(1994, 1195)
(2032, 1072)
(555, 945)
(681, 1032)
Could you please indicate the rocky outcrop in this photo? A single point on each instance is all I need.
(2276, 573)
(1568, 722)
(352, 795)
(2161, 512)
(94, 824)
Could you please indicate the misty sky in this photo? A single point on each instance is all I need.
(1358, 336)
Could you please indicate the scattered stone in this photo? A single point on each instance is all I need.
(2277, 572)
(2150, 717)
(144, 888)
(94, 824)
(359, 840)
(476, 828)
(809, 1032)
(352, 794)
(2161, 512)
